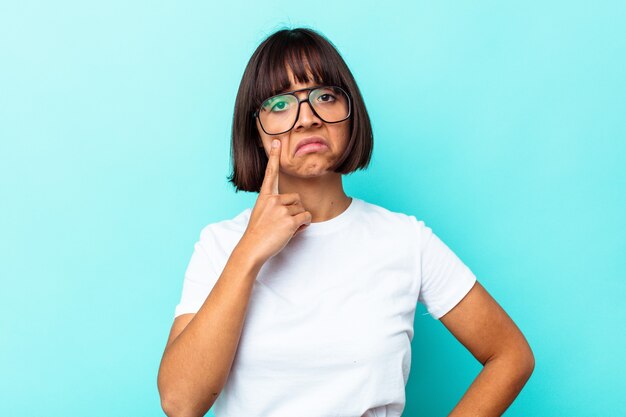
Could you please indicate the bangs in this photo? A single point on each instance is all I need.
(308, 60)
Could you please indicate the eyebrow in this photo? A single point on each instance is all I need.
(290, 89)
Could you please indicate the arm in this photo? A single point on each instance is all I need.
(485, 329)
(201, 347)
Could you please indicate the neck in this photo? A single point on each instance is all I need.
(323, 196)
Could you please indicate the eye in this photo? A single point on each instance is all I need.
(327, 97)
(279, 106)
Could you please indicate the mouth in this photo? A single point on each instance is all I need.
(311, 144)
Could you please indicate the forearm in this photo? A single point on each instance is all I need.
(495, 388)
(196, 365)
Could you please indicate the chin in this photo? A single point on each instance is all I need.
(313, 171)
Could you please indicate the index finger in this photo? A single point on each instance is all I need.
(270, 181)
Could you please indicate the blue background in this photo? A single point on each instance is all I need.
(500, 124)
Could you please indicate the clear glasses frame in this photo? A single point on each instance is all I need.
(255, 115)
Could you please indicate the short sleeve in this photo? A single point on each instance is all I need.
(445, 279)
(200, 275)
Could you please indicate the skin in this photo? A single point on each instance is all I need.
(321, 190)
(486, 330)
(477, 321)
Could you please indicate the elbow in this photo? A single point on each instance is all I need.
(171, 403)
(175, 405)
(523, 363)
(526, 359)
(168, 405)
(530, 363)
(519, 361)
(525, 368)
(174, 408)
(180, 399)
(169, 408)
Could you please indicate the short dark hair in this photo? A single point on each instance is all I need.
(266, 75)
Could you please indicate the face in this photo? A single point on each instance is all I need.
(314, 162)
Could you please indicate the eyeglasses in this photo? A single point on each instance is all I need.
(278, 114)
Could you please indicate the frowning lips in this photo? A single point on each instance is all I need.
(310, 139)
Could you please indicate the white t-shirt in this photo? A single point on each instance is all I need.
(330, 319)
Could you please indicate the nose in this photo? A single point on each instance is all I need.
(306, 116)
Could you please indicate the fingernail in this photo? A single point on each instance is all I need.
(275, 143)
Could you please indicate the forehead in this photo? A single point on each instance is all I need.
(296, 85)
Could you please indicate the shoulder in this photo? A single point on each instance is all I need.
(375, 212)
(390, 225)
(227, 229)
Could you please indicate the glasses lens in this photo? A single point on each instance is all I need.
(278, 113)
(330, 103)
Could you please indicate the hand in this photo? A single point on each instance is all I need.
(275, 218)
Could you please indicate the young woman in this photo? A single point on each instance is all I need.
(303, 305)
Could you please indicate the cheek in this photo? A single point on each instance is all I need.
(343, 134)
(260, 131)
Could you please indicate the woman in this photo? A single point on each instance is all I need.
(303, 305)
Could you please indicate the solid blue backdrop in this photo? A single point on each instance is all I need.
(501, 125)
